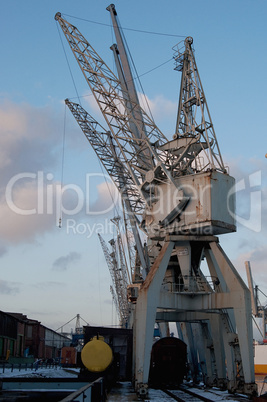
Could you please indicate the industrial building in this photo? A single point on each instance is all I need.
(23, 340)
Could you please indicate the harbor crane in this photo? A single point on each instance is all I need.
(258, 310)
(179, 194)
(117, 264)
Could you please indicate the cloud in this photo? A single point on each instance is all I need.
(28, 145)
(107, 198)
(27, 139)
(162, 109)
(63, 263)
(30, 151)
(251, 209)
(30, 197)
(92, 105)
(47, 285)
(259, 255)
(8, 288)
(160, 106)
(251, 193)
(3, 250)
(24, 214)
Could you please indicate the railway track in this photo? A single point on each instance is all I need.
(185, 394)
(125, 392)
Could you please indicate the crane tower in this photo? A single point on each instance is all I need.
(117, 264)
(180, 195)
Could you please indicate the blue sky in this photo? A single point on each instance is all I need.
(51, 274)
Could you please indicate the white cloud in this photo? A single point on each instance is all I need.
(28, 139)
(30, 150)
(107, 198)
(17, 225)
(92, 104)
(161, 107)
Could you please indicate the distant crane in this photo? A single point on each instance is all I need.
(117, 267)
(78, 328)
(123, 266)
(180, 195)
(257, 309)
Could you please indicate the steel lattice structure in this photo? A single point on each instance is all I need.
(178, 191)
(194, 122)
(117, 268)
(149, 155)
(110, 156)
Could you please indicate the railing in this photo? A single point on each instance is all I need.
(93, 392)
(25, 366)
(192, 284)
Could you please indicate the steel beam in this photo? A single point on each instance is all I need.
(224, 315)
(242, 311)
(145, 316)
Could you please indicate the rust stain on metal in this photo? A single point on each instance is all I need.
(199, 209)
(154, 267)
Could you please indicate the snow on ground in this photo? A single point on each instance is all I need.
(53, 372)
(59, 372)
(123, 391)
(216, 395)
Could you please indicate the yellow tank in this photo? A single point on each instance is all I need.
(96, 355)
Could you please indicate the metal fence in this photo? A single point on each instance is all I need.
(192, 284)
(5, 366)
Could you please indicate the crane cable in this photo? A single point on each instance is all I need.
(135, 78)
(79, 99)
(68, 64)
(66, 323)
(64, 128)
(109, 190)
(62, 167)
(128, 29)
(135, 69)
